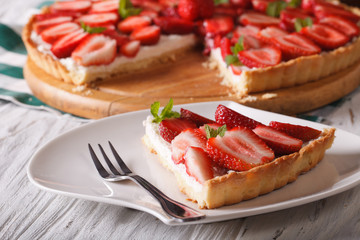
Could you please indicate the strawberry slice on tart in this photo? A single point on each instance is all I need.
(51, 34)
(64, 46)
(70, 6)
(194, 117)
(98, 19)
(303, 133)
(148, 35)
(343, 25)
(43, 24)
(198, 164)
(131, 23)
(258, 19)
(261, 57)
(171, 127)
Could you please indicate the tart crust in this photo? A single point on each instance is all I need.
(235, 187)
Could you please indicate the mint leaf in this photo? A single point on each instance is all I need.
(294, 3)
(126, 9)
(212, 132)
(217, 2)
(233, 59)
(165, 113)
(274, 8)
(300, 23)
(91, 30)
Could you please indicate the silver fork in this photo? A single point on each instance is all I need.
(178, 211)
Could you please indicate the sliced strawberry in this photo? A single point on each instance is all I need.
(70, 6)
(297, 131)
(131, 48)
(105, 6)
(240, 3)
(221, 11)
(46, 16)
(261, 5)
(194, 117)
(237, 70)
(148, 35)
(64, 46)
(51, 34)
(271, 32)
(343, 25)
(295, 45)
(98, 19)
(171, 127)
(149, 5)
(325, 36)
(50, 22)
(262, 57)
(211, 125)
(169, 3)
(288, 17)
(131, 23)
(96, 49)
(279, 142)
(187, 138)
(173, 25)
(206, 8)
(120, 39)
(198, 164)
(218, 25)
(149, 13)
(249, 34)
(239, 149)
(225, 115)
(322, 11)
(258, 19)
(189, 9)
(246, 30)
(225, 47)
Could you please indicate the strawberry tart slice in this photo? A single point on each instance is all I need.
(232, 158)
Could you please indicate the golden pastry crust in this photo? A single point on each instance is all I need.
(52, 66)
(235, 187)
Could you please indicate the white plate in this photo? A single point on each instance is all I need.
(64, 166)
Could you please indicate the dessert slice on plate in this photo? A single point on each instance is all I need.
(233, 157)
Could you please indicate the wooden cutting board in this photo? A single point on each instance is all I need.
(186, 81)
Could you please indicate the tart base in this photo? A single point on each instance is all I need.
(235, 187)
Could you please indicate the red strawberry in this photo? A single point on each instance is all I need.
(226, 11)
(51, 34)
(198, 164)
(172, 25)
(301, 132)
(148, 35)
(131, 48)
(279, 142)
(149, 5)
(246, 30)
(98, 19)
(225, 115)
(105, 6)
(237, 70)
(271, 32)
(211, 125)
(250, 38)
(189, 9)
(50, 22)
(188, 137)
(131, 23)
(225, 47)
(240, 3)
(171, 127)
(149, 13)
(196, 118)
(239, 149)
(289, 15)
(46, 16)
(324, 36)
(120, 39)
(70, 6)
(64, 46)
(343, 25)
(169, 3)
(295, 45)
(322, 11)
(96, 49)
(218, 25)
(258, 19)
(262, 57)
(206, 8)
(261, 5)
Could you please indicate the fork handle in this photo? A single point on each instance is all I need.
(178, 211)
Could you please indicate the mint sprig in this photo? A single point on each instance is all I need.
(233, 58)
(126, 9)
(91, 30)
(212, 132)
(274, 8)
(165, 113)
(300, 23)
(217, 2)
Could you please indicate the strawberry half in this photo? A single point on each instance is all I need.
(120, 39)
(98, 19)
(279, 142)
(171, 127)
(261, 5)
(325, 36)
(198, 164)
(64, 46)
(70, 6)
(96, 49)
(189, 9)
(105, 6)
(271, 32)
(295, 45)
(322, 11)
(196, 118)
(239, 149)
(131, 23)
(148, 35)
(262, 57)
(258, 19)
(188, 137)
(50, 22)
(343, 25)
(173, 25)
(131, 48)
(301, 132)
(218, 25)
(289, 15)
(51, 34)
(225, 47)
(225, 115)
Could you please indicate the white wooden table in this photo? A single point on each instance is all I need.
(27, 212)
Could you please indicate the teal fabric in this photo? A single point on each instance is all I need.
(10, 40)
(11, 71)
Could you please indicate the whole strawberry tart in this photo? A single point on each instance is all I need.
(234, 157)
(258, 45)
